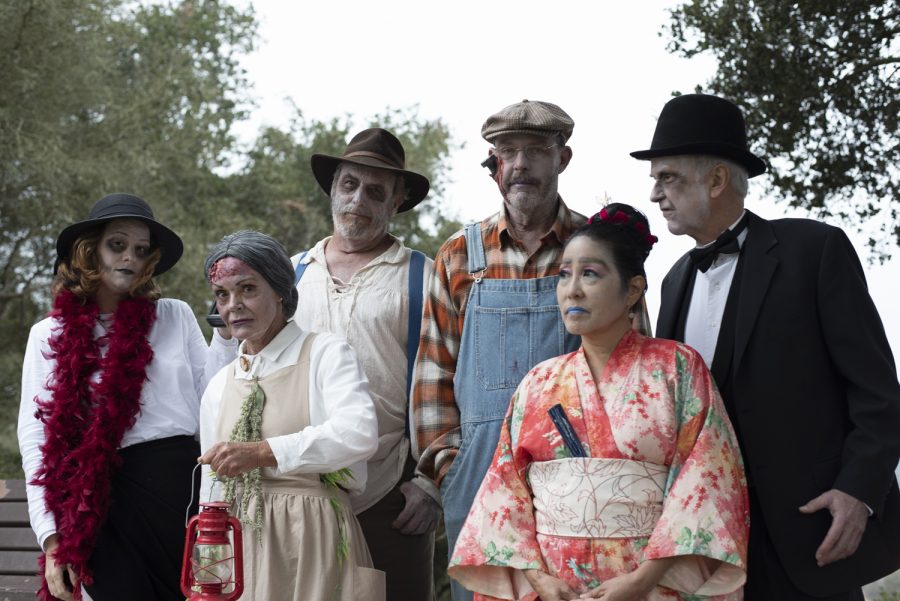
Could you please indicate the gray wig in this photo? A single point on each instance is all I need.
(264, 255)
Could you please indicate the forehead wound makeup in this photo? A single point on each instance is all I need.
(227, 267)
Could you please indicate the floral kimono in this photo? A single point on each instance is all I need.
(662, 478)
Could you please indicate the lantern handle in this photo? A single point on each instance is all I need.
(187, 510)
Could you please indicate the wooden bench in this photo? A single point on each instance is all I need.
(19, 550)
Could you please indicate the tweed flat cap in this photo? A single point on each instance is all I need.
(528, 117)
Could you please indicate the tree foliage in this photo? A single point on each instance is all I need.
(278, 193)
(819, 85)
(101, 96)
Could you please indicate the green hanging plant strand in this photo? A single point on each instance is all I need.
(248, 428)
(333, 481)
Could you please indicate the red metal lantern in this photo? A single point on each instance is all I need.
(210, 563)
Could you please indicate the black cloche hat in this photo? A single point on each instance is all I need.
(702, 124)
(124, 206)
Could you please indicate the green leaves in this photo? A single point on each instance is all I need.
(277, 193)
(111, 96)
(248, 428)
(334, 481)
(819, 84)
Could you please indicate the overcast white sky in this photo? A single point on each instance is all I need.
(604, 63)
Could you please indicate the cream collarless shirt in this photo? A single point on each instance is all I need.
(371, 312)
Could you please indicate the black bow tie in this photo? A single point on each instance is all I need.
(725, 244)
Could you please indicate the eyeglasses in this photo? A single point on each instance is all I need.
(509, 153)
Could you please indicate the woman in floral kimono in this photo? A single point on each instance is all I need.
(644, 496)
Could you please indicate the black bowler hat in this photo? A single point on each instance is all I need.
(378, 148)
(124, 206)
(702, 124)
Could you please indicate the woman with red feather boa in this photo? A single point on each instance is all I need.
(111, 387)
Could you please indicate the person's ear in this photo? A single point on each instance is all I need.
(637, 285)
(565, 155)
(718, 180)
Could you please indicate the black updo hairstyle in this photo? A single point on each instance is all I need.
(626, 232)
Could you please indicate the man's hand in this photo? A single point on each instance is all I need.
(55, 573)
(549, 588)
(421, 513)
(849, 517)
(229, 459)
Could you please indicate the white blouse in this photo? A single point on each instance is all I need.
(170, 399)
(343, 430)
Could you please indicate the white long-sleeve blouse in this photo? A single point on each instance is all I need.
(170, 399)
(343, 430)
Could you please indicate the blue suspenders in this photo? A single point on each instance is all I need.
(416, 268)
(475, 248)
(301, 267)
(414, 324)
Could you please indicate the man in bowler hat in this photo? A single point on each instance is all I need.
(358, 283)
(492, 314)
(780, 311)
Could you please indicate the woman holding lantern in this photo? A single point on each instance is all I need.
(288, 427)
(111, 386)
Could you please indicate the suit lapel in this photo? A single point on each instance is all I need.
(671, 297)
(759, 267)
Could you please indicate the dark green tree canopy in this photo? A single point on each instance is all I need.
(819, 83)
(101, 96)
(277, 192)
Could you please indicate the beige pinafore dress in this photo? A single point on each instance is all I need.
(294, 558)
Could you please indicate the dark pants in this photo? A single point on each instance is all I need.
(766, 578)
(406, 560)
(139, 550)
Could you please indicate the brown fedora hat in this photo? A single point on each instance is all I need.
(378, 148)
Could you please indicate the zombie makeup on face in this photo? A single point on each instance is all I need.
(228, 267)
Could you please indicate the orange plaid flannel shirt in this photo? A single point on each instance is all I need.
(435, 413)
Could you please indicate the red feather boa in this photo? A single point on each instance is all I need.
(84, 421)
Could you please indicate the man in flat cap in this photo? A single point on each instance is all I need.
(780, 311)
(491, 314)
(365, 285)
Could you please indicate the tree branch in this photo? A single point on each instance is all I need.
(12, 254)
(24, 26)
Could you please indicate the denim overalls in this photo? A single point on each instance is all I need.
(510, 326)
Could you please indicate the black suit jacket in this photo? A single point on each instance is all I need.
(815, 397)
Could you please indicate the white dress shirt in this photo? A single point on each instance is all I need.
(170, 398)
(343, 430)
(704, 317)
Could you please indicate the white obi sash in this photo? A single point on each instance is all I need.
(587, 497)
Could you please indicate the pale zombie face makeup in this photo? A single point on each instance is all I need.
(682, 196)
(246, 302)
(122, 255)
(363, 200)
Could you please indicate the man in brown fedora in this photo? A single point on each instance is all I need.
(364, 284)
(780, 311)
(492, 312)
